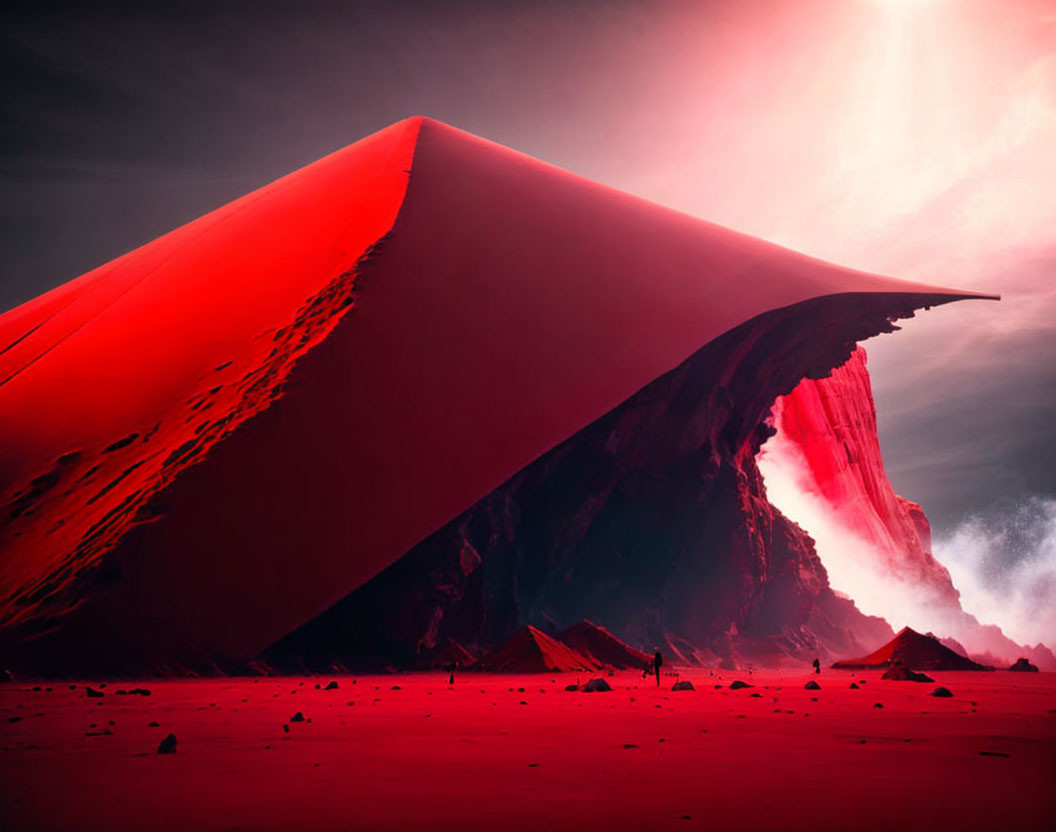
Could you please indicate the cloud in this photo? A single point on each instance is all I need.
(1004, 563)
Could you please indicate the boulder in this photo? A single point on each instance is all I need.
(167, 745)
(901, 673)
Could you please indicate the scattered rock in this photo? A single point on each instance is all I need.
(297, 717)
(812, 685)
(167, 745)
(139, 692)
(598, 685)
(571, 687)
(738, 684)
(854, 686)
(92, 693)
(942, 692)
(152, 725)
(685, 684)
(878, 704)
(993, 754)
(629, 745)
(331, 686)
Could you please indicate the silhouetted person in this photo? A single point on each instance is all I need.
(658, 660)
(451, 671)
(817, 666)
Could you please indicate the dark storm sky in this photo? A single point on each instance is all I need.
(916, 143)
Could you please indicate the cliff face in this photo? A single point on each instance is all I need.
(653, 521)
(830, 426)
(824, 467)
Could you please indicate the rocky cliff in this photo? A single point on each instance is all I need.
(875, 543)
(653, 521)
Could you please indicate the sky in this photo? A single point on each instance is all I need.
(915, 138)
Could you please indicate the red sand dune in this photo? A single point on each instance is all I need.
(223, 432)
(916, 651)
(532, 651)
(601, 647)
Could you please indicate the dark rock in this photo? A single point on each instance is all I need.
(152, 725)
(139, 692)
(812, 685)
(331, 686)
(685, 684)
(571, 687)
(1023, 665)
(738, 684)
(942, 692)
(168, 745)
(92, 693)
(853, 686)
(596, 686)
(900, 673)
(297, 717)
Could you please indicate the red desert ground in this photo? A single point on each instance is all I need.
(430, 407)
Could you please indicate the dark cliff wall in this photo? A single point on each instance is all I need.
(653, 521)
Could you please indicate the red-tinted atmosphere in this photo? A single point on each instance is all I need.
(481, 494)
(902, 137)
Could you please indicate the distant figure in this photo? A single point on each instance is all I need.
(451, 671)
(658, 660)
(817, 666)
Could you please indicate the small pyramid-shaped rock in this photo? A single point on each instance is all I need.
(532, 651)
(914, 650)
(602, 647)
